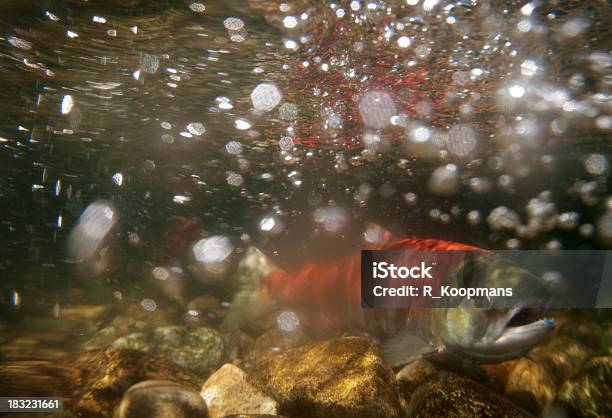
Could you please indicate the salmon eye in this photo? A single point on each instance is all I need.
(483, 302)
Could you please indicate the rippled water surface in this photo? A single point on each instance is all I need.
(145, 145)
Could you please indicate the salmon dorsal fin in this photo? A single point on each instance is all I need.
(406, 347)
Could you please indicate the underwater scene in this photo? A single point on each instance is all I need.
(193, 193)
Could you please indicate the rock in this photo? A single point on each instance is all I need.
(103, 338)
(205, 310)
(586, 332)
(238, 345)
(165, 313)
(94, 313)
(227, 392)
(607, 339)
(530, 385)
(132, 319)
(253, 416)
(588, 393)
(533, 382)
(91, 383)
(558, 410)
(55, 332)
(197, 349)
(413, 374)
(335, 378)
(275, 342)
(563, 356)
(159, 399)
(451, 395)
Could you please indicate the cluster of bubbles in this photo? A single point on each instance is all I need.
(235, 29)
(331, 218)
(504, 76)
(404, 84)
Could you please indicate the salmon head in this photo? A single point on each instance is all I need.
(494, 328)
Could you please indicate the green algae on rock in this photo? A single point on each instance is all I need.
(131, 319)
(336, 378)
(197, 349)
(451, 395)
(588, 393)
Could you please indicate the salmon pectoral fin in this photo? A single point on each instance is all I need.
(246, 306)
(250, 302)
(406, 347)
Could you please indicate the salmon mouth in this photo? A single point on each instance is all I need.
(523, 329)
(513, 335)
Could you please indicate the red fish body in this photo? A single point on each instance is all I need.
(333, 290)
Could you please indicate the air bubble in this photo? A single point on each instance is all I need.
(461, 140)
(197, 7)
(596, 164)
(445, 180)
(270, 225)
(377, 108)
(148, 305)
(196, 128)
(502, 218)
(149, 63)
(265, 97)
(233, 23)
(234, 179)
(288, 321)
(233, 147)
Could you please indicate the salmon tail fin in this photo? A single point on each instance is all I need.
(249, 303)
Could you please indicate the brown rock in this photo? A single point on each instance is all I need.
(588, 393)
(451, 395)
(563, 356)
(586, 332)
(91, 383)
(413, 374)
(238, 344)
(533, 382)
(94, 313)
(337, 378)
(531, 385)
(161, 399)
(254, 416)
(275, 342)
(227, 392)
